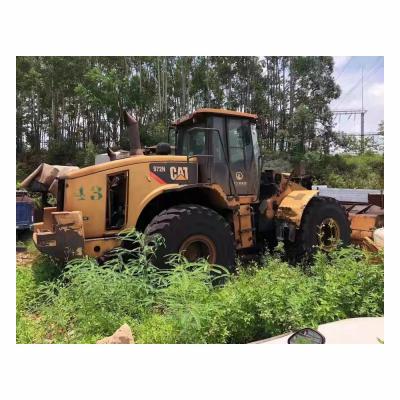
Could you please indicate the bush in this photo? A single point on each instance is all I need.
(348, 171)
(88, 300)
(339, 170)
(278, 161)
(348, 285)
(59, 153)
(192, 304)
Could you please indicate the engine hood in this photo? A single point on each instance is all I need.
(109, 166)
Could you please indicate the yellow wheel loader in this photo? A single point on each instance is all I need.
(209, 199)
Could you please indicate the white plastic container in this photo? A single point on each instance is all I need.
(378, 237)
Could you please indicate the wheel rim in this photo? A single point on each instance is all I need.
(329, 234)
(199, 246)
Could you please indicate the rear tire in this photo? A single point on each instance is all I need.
(324, 224)
(194, 231)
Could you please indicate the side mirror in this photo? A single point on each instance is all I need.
(307, 336)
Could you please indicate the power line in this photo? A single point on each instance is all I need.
(376, 67)
(347, 112)
(370, 76)
(358, 133)
(371, 73)
(341, 72)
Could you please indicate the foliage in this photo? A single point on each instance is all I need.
(64, 103)
(89, 300)
(381, 128)
(339, 170)
(28, 328)
(89, 154)
(352, 144)
(277, 161)
(190, 303)
(347, 171)
(347, 288)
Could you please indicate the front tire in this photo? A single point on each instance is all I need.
(324, 225)
(194, 231)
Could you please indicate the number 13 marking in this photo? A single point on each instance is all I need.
(95, 190)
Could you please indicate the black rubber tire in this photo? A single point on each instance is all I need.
(178, 223)
(318, 209)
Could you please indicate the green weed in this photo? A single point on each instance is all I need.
(192, 302)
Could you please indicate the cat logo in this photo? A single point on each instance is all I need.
(239, 175)
(179, 173)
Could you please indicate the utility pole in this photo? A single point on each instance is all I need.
(362, 111)
(355, 112)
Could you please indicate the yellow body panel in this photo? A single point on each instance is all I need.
(292, 206)
(86, 190)
(96, 247)
(122, 164)
(243, 227)
(88, 194)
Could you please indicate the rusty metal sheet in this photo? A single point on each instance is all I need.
(47, 219)
(43, 178)
(64, 240)
(363, 225)
(370, 245)
(376, 199)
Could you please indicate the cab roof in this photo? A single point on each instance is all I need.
(219, 111)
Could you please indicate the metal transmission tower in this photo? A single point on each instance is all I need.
(361, 112)
(362, 109)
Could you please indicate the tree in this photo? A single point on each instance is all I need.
(381, 128)
(63, 103)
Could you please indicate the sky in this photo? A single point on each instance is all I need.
(347, 73)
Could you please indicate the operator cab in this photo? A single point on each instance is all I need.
(225, 145)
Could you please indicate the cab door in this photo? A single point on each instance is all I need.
(195, 142)
(242, 160)
(220, 164)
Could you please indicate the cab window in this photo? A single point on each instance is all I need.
(193, 143)
(239, 139)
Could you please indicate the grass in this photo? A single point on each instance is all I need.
(189, 303)
(24, 239)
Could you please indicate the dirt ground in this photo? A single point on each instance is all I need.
(24, 258)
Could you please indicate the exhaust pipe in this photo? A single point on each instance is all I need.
(111, 154)
(133, 134)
